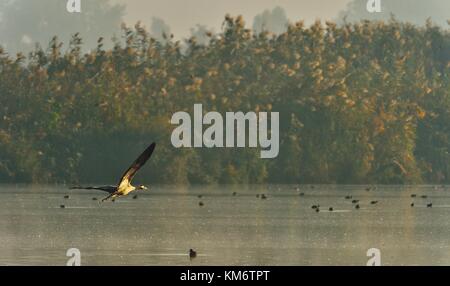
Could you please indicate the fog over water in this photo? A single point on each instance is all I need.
(159, 227)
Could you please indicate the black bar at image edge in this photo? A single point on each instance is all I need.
(199, 275)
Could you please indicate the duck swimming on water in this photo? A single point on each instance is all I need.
(124, 186)
(192, 253)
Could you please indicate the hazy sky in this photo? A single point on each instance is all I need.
(185, 14)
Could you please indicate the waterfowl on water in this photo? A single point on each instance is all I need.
(330, 209)
(424, 197)
(357, 207)
(263, 196)
(124, 186)
(201, 204)
(135, 197)
(374, 202)
(355, 201)
(430, 205)
(348, 197)
(62, 206)
(192, 253)
(412, 205)
(413, 195)
(66, 196)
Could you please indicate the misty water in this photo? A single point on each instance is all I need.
(161, 225)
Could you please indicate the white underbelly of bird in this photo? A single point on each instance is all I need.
(127, 190)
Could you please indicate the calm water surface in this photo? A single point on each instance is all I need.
(160, 226)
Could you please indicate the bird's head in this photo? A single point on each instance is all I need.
(142, 187)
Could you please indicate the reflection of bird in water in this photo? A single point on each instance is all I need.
(412, 205)
(124, 187)
(357, 207)
(192, 253)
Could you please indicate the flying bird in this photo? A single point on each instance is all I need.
(124, 186)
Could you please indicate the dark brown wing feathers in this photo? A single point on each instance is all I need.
(140, 161)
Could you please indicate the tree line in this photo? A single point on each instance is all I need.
(359, 103)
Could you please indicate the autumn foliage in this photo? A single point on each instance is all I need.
(360, 103)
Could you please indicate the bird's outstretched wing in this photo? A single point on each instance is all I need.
(140, 161)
